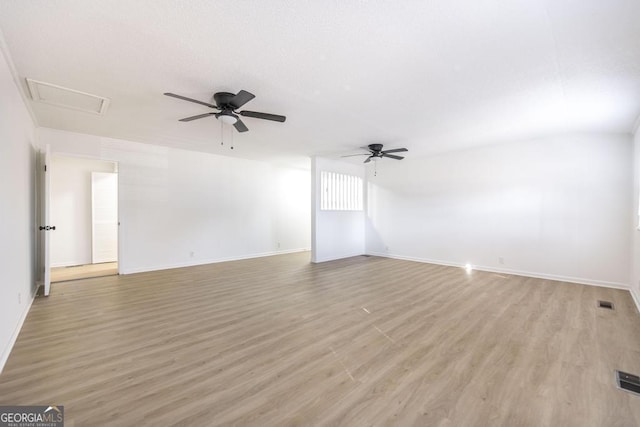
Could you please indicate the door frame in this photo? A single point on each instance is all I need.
(43, 191)
(121, 251)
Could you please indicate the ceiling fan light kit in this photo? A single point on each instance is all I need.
(227, 103)
(228, 118)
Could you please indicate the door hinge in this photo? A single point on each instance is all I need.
(45, 168)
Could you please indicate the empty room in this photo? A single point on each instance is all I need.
(320, 213)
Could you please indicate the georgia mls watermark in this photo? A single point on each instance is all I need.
(31, 416)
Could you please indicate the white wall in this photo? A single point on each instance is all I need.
(71, 208)
(104, 217)
(180, 208)
(335, 234)
(557, 207)
(635, 232)
(17, 211)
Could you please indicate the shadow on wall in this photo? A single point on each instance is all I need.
(557, 208)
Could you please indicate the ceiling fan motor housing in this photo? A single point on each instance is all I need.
(222, 99)
(375, 147)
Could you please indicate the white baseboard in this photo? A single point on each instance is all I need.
(7, 351)
(635, 294)
(208, 261)
(559, 278)
(67, 264)
(334, 258)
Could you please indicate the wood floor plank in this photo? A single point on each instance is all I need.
(62, 274)
(360, 341)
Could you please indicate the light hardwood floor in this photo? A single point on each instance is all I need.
(364, 341)
(62, 274)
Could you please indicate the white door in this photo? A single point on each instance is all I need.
(104, 215)
(44, 228)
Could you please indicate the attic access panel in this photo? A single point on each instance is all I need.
(59, 96)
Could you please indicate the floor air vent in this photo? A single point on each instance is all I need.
(628, 382)
(605, 304)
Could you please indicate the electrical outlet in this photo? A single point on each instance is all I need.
(19, 298)
(500, 260)
(278, 245)
(192, 254)
(386, 248)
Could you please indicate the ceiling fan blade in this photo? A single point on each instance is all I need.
(353, 155)
(241, 98)
(265, 116)
(184, 98)
(199, 116)
(240, 126)
(391, 156)
(368, 159)
(395, 150)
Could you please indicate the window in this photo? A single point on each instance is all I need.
(340, 192)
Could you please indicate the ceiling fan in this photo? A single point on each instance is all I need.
(227, 104)
(376, 152)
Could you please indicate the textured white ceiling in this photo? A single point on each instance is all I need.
(427, 75)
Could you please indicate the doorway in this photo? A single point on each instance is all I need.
(84, 209)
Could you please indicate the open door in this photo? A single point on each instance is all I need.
(44, 227)
(104, 217)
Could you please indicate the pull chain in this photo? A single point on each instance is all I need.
(222, 135)
(375, 168)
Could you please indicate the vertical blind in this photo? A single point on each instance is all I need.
(340, 192)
